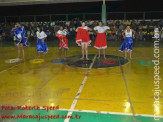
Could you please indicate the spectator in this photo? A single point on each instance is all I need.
(144, 28)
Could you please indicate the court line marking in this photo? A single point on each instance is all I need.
(73, 105)
(9, 68)
(128, 94)
(16, 65)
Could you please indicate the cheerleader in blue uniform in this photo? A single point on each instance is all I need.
(41, 44)
(127, 45)
(21, 40)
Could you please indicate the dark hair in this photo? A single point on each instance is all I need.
(41, 29)
(61, 26)
(100, 21)
(128, 25)
(17, 23)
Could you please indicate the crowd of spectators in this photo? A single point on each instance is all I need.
(144, 29)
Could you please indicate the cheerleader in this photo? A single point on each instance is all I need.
(127, 45)
(41, 44)
(83, 39)
(63, 41)
(21, 40)
(101, 42)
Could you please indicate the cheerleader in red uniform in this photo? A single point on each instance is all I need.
(83, 39)
(63, 41)
(101, 42)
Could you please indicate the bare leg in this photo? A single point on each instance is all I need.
(130, 54)
(104, 53)
(98, 53)
(22, 50)
(82, 52)
(65, 53)
(86, 51)
(125, 53)
(44, 55)
(18, 46)
(38, 54)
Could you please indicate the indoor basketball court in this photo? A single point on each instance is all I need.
(115, 89)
